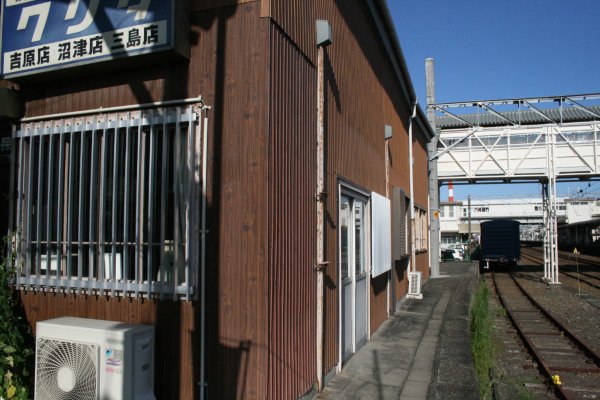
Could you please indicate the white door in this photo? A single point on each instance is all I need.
(353, 274)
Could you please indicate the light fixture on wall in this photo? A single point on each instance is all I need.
(388, 132)
(324, 35)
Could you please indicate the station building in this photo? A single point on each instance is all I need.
(572, 213)
(164, 171)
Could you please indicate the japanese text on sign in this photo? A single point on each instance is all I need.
(49, 34)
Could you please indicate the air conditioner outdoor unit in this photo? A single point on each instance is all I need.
(79, 358)
(414, 285)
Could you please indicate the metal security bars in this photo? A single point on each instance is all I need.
(108, 203)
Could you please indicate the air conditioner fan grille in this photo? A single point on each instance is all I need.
(66, 370)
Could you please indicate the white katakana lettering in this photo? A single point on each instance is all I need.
(87, 20)
(140, 10)
(41, 10)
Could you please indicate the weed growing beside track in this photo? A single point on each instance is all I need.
(482, 342)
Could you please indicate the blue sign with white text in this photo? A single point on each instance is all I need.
(40, 35)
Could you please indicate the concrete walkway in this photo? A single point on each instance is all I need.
(421, 352)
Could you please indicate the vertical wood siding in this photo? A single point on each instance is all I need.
(292, 300)
(362, 95)
(232, 72)
(297, 19)
(175, 358)
(228, 67)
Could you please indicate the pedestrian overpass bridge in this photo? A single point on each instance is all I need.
(544, 140)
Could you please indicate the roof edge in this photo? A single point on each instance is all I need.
(389, 30)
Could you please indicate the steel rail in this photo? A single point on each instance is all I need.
(569, 270)
(558, 390)
(579, 341)
(572, 273)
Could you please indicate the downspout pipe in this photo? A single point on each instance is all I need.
(324, 39)
(203, 233)
(411, 162)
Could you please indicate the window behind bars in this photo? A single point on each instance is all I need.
(106, 204)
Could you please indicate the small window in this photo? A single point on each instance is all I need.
(421, 229)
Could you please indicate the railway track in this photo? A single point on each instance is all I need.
(565, 359)
(588, 279)
(580, 259)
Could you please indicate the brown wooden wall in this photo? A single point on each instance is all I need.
(232, 73)
(227, 66)
(297, 19)
(362, 95)
(292, 220)
(421, 191)
(401, 278)
(421, 171)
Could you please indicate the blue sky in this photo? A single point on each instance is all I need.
(494, 49)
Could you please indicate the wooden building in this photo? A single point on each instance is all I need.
(110, 187)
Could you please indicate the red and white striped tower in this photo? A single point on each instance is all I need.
(450, 193)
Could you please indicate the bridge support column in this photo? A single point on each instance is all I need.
(550, 221)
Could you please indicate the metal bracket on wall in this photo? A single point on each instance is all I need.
(321, 197)
(321, 266)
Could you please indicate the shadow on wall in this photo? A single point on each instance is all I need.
(401, 267)
(5, 132)
(226, 363)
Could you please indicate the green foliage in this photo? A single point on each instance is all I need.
(16, 339)
(482, 342)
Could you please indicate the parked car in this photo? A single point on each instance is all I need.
(452, 254)
(457, 248)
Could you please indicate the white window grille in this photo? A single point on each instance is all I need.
(106, 204)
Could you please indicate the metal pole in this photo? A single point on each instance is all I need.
(553, 222)
(545, 206)
(203, 256)
(470, 234)
(434, 190)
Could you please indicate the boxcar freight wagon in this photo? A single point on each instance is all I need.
(499, 243)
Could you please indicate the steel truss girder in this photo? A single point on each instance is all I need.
(463, 154)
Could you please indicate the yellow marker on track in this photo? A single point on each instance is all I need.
(556, 380)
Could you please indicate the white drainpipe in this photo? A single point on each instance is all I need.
(411, 162)
(324, 38)
(203, 260)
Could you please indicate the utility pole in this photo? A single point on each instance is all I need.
(434, 188)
